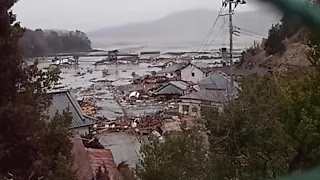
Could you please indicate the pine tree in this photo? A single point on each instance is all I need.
(28, 148)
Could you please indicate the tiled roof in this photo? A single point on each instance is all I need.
(208, 95)
(61, 101)
(104, 157)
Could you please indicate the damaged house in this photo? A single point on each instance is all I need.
(172, 71)
(88, 160)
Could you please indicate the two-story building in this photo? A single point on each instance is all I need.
(194, 72)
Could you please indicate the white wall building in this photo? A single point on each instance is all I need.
(193, 104)
(193, 73)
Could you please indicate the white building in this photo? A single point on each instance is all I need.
(193, 72)
(192, 104)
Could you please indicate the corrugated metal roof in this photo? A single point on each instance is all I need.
(208, 95)
(104, 157)
(172, 68)
(61, 101)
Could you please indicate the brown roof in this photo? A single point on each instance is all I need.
(81, 161)
(104, 157)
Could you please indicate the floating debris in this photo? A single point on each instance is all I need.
(105, 73)
(88, 108)
(103, 80)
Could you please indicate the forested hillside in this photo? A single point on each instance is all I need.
(43, 43)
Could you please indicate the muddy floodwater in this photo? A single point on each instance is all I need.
(86, 81)
(104, 85)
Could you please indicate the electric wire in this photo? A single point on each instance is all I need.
(250, 35)
(214, 38)
(247, 31)
(211, 30)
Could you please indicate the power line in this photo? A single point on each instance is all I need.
(211, 30)
(250, 35)
(247, 31)
(214, 38)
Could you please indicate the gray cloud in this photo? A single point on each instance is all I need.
(92, 14)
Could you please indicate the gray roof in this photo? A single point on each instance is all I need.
(201, 65)
(61, 101)
(180, 84)
(172, 68)
(217, 82)
(204, 67)
(173, 87)
(208, 95)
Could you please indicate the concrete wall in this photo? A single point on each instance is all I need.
(192, 74)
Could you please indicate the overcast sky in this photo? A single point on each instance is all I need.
(88, 15)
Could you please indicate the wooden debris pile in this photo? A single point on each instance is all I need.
(140, 125)
(150, 80)
(89, 108)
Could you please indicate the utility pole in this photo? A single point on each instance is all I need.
(232, 5)
(231, 43)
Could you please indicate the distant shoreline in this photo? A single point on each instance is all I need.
(103, 53)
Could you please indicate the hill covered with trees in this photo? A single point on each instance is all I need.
(49, 42)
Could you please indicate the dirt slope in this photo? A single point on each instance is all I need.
(295, 54)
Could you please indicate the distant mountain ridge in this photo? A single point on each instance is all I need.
(192, 24)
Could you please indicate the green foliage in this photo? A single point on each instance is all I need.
(182, 156)
(39, 43)
(272, 129)
(244, 138)
(31, 145)
(274, 43)
(288, 27)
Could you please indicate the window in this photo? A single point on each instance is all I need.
(185, 108)
(194, 109)
(192, 74)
